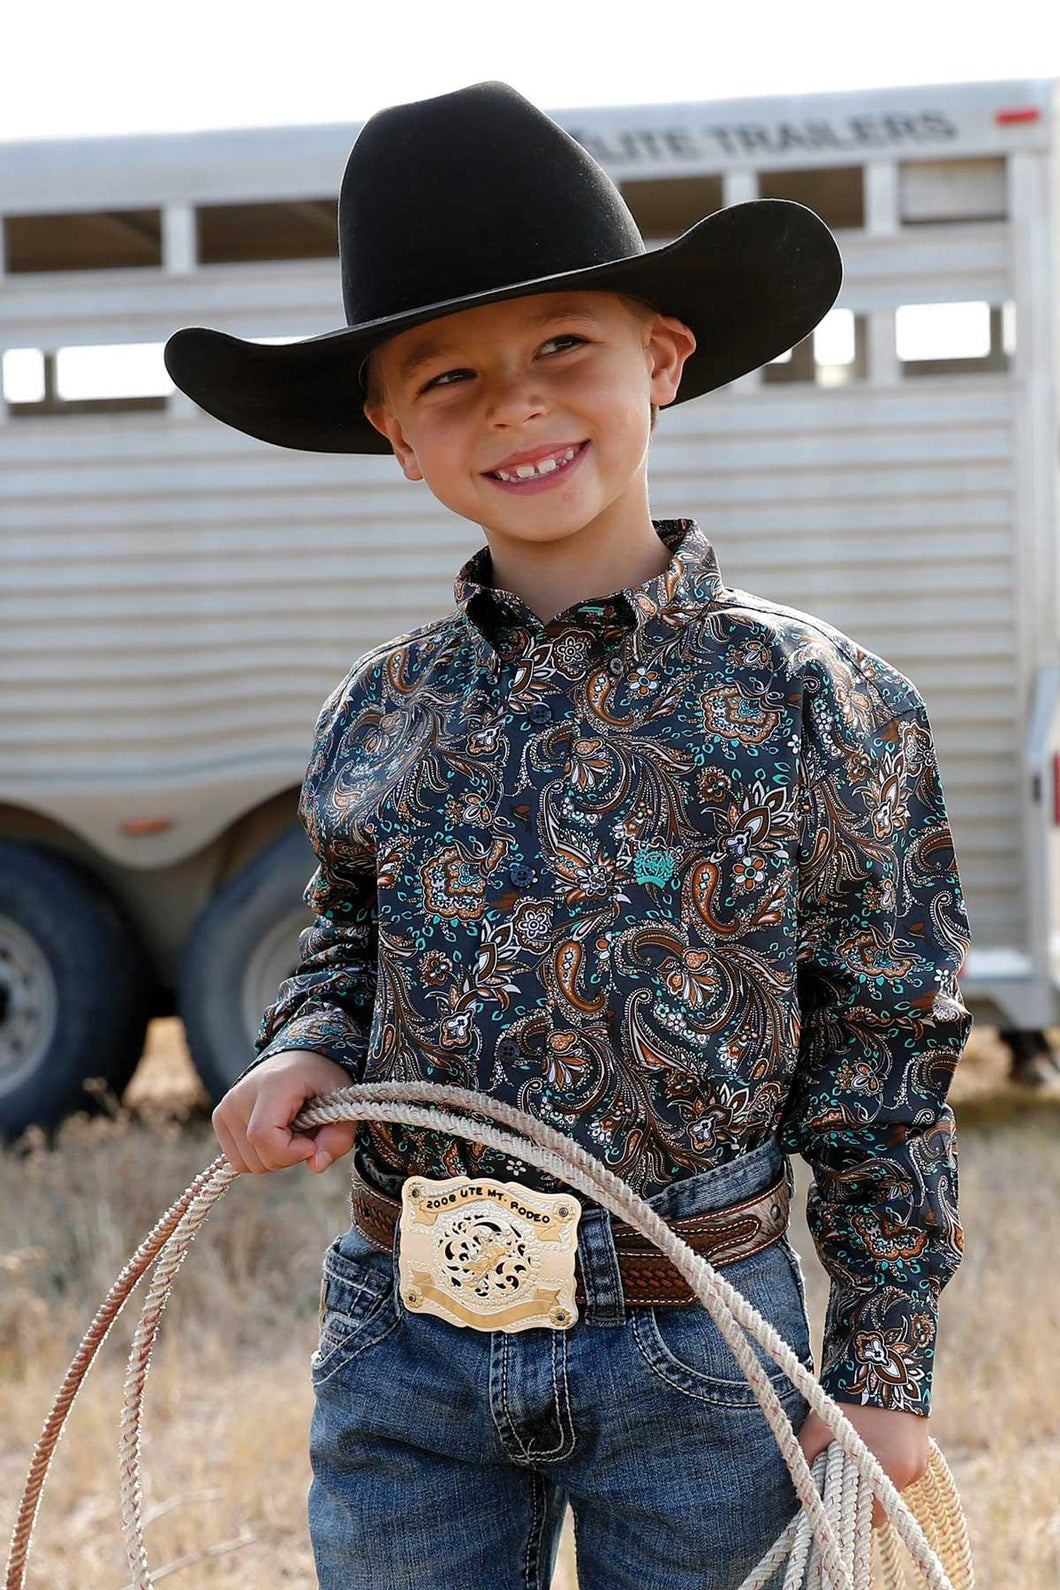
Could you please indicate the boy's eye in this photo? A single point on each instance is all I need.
(563, 337)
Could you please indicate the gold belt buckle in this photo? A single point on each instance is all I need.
(490, 1254)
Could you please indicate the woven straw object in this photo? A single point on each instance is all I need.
(828, 1545)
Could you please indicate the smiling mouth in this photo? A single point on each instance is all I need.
(539, 476)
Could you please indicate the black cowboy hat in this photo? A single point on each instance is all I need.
(476, 196)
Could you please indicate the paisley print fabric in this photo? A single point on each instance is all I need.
(673, 872)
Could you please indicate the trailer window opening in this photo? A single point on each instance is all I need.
(236, 234)
(664, 207)
(955, 338)
(108, 378)
(111, 379)
(836, 193)
(89, 240)
(241, 234)
(832, 355)
(948, 192)
(22, 375)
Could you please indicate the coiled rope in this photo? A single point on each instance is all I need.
(828, 1545)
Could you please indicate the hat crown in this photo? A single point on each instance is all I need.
(470, 192)
(477, 196)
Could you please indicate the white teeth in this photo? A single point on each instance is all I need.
(543, 466)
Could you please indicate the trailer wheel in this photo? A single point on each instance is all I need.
(75, 990)
(242, 946)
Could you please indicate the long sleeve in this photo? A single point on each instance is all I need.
(327, 1003)
(883, 934)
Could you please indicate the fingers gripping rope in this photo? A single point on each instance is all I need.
(826, 1546)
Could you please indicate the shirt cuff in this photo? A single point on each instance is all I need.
(879, 1347)
(329, 1032)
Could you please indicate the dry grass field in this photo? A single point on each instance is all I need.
(228, 1399)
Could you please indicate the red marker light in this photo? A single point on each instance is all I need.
(146, 825)
(1018, 113)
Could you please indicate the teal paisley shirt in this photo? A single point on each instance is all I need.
(672, 872)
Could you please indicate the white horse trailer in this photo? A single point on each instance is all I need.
(178, 599)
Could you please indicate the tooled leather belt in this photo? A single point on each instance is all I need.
(721, 1236)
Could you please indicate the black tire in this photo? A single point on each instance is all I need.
(241, 947)
(75, 989)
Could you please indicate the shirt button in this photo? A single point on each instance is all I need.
(507, 1049)
(521, 874)
(539, 712)
(617, 665)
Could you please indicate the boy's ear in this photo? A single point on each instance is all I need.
(380, 417)
(670, 342)
(375, 414)
(386, 422)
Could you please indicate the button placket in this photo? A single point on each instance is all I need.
(620, 662)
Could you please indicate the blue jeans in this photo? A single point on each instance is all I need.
(443, 1457)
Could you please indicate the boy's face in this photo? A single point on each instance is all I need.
(550, 370)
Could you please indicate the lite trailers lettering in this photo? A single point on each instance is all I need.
(855, 133)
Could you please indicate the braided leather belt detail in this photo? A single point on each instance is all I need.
(721, 1236)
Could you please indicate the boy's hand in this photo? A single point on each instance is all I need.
(896, 1437)
(252, 1119)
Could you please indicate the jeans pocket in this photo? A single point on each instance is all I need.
(358, 1304)
(682, 1345)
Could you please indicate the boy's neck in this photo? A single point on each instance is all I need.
(608, 554)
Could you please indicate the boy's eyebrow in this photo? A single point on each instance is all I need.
(420, 352)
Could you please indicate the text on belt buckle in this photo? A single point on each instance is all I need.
(490, 1254)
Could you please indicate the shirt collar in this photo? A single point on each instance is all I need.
(691, 578)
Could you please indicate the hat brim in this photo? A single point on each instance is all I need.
(750, 280)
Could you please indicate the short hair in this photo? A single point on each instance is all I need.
(373, 386)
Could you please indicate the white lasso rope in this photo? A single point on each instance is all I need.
(827, 1545)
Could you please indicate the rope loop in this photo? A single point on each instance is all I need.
(828, 1545)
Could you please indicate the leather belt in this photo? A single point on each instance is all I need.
(721, 1236)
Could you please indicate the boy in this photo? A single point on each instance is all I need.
(659, 860)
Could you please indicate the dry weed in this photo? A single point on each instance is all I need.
(228, 1398)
